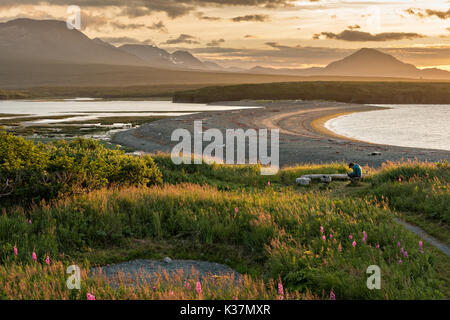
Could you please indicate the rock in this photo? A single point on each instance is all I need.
(303, 181)
(375, 153)
(167, 260)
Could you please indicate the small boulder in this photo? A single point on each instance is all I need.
(167, 260)
(303, 181)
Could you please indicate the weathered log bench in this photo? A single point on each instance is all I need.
(326, 178)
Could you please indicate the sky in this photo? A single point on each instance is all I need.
(270, 33)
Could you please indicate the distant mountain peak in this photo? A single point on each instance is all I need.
(371, 62)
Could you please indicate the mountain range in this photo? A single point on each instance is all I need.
(28, 42)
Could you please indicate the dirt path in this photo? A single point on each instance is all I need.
(431, 240)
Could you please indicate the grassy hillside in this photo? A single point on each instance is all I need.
(356, 92)
(311, 240)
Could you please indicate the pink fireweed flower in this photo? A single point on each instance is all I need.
(420, 244)
(198, 288)
(378, 246)
(331, 235)
(321, 229)
(29, 221)
(398, 244)
(354, 244)
(364, 240)
(90, 296)
(236, 210)
(350, 237)
(332, 295)
(402, 250)
(400, 261)
(34, 256)
(324, 237)
(235, 298)
(406, 254)
(187, 285)
(268, 183)
(280, 289)
(171, 293)
(15, 251)
(47, 260)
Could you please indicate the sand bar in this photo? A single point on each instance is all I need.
(303, 137)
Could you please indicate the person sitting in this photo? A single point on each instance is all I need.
(357, 172)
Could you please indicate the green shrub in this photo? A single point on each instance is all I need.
(30, 172)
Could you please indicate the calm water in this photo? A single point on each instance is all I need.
(91, 109)
(58, 115)
(419, 126)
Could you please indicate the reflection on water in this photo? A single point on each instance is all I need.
(77, 117)
(417, 126)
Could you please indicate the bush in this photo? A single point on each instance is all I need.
(30, 172)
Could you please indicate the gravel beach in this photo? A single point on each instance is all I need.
(303, 138)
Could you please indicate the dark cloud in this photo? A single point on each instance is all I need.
(138, 8)
(183, 38)
(159, 26)
(124, 26)
(252, 17)
(215, 43)
(90, 21)
(439, 14)
(429, 13)
(352, 35)
(354, 27)
(202, 16)
(125, 40)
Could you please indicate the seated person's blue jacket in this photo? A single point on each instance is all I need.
(356, 171)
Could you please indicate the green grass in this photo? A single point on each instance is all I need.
(274, 235)
(344, 91)
(280, 231)
(420, 191)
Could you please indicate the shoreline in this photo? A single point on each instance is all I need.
(320, 125)
(303, 135)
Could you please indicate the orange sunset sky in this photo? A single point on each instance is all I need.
(277, 33)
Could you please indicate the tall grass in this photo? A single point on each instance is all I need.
(48, 282)
(419, 187)
(282, 231)
(224, 176)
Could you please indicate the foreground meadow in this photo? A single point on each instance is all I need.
(288, 242)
